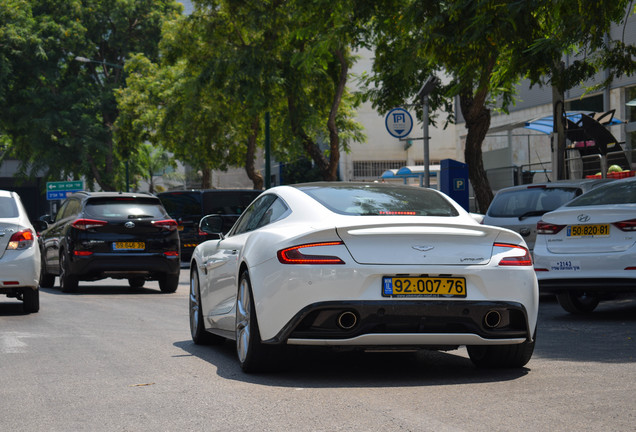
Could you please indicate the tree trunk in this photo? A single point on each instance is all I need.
(558, 121)
(477, 118)
(311, 148)
(206, 178)
(252, 173)
(334, 138)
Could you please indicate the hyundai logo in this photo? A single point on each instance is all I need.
(129, 224)
(583, 218)
(422, 248)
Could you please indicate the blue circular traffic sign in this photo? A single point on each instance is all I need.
(399, 122)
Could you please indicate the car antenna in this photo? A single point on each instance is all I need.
(545, 171)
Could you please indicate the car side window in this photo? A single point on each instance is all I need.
(257, 212)
(276, 211)
(63, 210)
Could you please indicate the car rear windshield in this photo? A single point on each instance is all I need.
(533, 201)
(125, 208)
(379, 200)
(8, 208)
(618, 192)
(186, 204)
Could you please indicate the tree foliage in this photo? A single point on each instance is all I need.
(240, 60)
(485, 46)
(59, 111)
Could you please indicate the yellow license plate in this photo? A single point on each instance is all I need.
(129, 245)
(423, 286)
(599, 230)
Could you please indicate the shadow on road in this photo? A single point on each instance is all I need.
(88, 289)
(313, 368)
(607, 335)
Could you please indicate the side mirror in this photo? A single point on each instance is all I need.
(212, 224)
(39, 225)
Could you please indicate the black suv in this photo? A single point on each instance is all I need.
(96, 235)
(189, 206)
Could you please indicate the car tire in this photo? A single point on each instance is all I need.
(253, 355)
(502, 356)
(577, 302)
(31, 300)
(168, 283)
(200, 335)
(68, 282)
(136, 282)
(47, 280)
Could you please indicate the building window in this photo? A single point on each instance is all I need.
(430, 162)
(374, 169)
(588, 104)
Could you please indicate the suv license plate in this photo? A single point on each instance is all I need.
(129, 246)
(423, 286)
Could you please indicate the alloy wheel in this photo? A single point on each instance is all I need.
(243, 320)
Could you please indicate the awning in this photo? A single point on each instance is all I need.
(546, 125)
(416, 171)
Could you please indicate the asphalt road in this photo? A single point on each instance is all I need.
(109, 358)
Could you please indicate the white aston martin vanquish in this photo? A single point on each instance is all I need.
(363, 266)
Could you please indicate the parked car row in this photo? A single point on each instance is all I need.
(582, 235)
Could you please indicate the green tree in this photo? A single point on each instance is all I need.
(485, 47)
(153, 161)
(582, 32)
(237, 61)
(61, 110)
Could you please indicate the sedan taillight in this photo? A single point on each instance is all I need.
(167, 224)
(628, 225)
(294, 255)
(548, 228)
(21, 240)
(86, 224)
(517, 255)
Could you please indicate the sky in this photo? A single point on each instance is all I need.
(187, 6)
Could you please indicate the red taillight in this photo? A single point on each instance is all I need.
(548, 228)
(521, 256)
(82, 253)
(86, 224)
(168, 224)
(293, 255)
(628, 225)
(171, 254)
(21, 240)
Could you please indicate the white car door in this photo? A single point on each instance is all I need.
(220, 266)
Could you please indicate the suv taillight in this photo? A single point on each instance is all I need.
(86, 224)
(21, 240)
(167, 224)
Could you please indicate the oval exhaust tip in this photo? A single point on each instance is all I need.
(347, 320)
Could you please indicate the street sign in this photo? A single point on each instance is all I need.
(399, 122)
(62, 189)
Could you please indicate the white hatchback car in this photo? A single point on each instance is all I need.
(363, 266)
(19, 253)
(586, 250)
